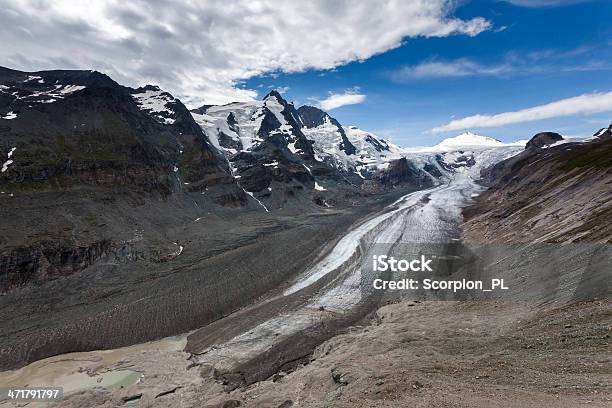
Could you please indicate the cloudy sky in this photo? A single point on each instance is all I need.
(414, 71)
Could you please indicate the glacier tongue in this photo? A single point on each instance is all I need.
(411, 219)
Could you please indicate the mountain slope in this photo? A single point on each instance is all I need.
(278, 152)
(74, 128)
(548, 193)
(329, 137)
(87, 153)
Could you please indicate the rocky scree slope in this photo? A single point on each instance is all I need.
(544, 224)
(555, 190)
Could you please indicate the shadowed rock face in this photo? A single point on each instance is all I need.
(48, 260)
(403, 172)
(202, 109)
(543, 139)
(433, 170)
(80, 128)
(312, 117)
(83, 148)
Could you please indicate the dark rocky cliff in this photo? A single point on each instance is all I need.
(81, 148)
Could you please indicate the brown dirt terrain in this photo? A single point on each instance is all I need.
(429, 354)
(442, 354)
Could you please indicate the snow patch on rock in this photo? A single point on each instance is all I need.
(9, 161)
(157, 103)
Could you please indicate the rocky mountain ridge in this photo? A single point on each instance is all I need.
(80, 128)
(556, 190)
(277, 151)
(343, 157)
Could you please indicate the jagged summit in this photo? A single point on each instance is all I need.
(317, 122)
(309, 133)
(275, 94)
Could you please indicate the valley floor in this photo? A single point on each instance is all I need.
(228, 261)
(320, 339)
(423, 354)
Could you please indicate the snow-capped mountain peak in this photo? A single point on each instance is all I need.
(372, 152)
(253, 135)
(468, 139)
(284, 111)
(275, 95)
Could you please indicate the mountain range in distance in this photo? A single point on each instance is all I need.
(82, 122)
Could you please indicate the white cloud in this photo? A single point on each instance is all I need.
(512, 63)
(203, 50)
(583, 104)
(463, 67)
(336, 100)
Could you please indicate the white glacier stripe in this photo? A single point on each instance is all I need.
(347, 246)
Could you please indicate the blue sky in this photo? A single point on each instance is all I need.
(531, 56)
